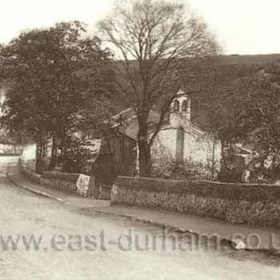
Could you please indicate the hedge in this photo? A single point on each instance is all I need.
(229, 191)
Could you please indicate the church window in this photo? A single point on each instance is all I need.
(176, 106)
(185, 106)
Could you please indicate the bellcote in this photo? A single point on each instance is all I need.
(181, 106)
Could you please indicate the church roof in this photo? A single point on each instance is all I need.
(130, 128)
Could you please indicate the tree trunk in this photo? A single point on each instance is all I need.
(39, 158)
(223, 162)
(63, 148)
(53, 161)
(144, 150)
(40, 153)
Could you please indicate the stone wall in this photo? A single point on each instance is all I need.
(75, 183)
(60, 181)
(236, 203)
(29, 173)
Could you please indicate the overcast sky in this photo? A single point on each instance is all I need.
(242, 26)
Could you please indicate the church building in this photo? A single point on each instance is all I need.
(178, 139)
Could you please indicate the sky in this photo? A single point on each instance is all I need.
(241, 26)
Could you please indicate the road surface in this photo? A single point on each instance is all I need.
(44, 239)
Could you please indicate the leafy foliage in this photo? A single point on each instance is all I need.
(76, 157)
(185, 170)
(244, 108)
(57, 83)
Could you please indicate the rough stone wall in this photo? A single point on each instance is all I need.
(59, 184)
(76, 183)
(235, 203)
(28, 172)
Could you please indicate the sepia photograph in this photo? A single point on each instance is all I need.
(140, 139)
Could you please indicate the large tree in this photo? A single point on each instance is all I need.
(260, 116)
(57, 79)
(243, 107)
(157, 44)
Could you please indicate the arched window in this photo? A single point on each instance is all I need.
(185, 106)
(176, 106)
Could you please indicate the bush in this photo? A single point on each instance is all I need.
(75, 159)
(262, 169)
(183, 170)
(265, 169)
(42, 165)
(232, 167)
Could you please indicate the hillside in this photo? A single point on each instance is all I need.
(224, 78)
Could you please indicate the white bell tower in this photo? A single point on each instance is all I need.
(180, 109)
